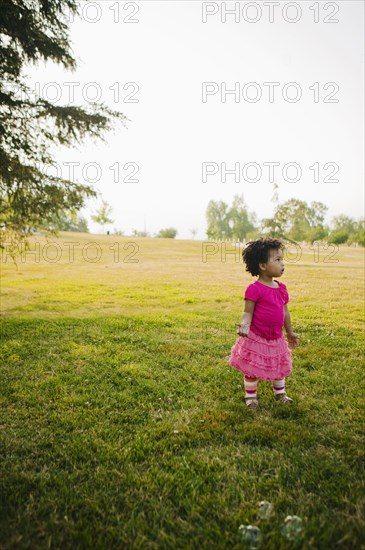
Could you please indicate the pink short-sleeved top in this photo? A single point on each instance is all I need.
(268, 316)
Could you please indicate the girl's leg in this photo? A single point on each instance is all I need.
(250, 387)
(279, 391)
(278, 386)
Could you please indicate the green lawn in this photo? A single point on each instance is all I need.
(123, 426)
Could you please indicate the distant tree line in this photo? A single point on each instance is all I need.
(168, 233)
(68, 221)
(294, 220)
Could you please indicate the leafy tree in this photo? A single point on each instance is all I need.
(318, 233)
(359, 235)
(346, 229)
(295, 220)
(316, 213)
(344, 222)
(240, 220)
(68, 221)
(339, 236)
(33, 31)
(233, 222)
(168, 233)
(217, 215)
(102, 216)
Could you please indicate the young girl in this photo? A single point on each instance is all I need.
(261, 352)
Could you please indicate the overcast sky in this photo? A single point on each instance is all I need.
(152, 60)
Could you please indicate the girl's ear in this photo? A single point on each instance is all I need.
(262, 266)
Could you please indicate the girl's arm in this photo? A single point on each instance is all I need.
(293, 338)
(244, 325)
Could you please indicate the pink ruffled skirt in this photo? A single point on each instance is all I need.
(260, 358)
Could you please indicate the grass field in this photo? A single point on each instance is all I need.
(123, 426)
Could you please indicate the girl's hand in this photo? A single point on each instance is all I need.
(243, 329)
(293, 340)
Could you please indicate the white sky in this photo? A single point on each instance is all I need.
(169, 53)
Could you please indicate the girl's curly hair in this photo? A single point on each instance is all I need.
(256, 252)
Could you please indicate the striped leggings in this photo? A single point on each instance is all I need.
(251, 386)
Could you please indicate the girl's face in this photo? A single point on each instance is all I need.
(274, 267)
